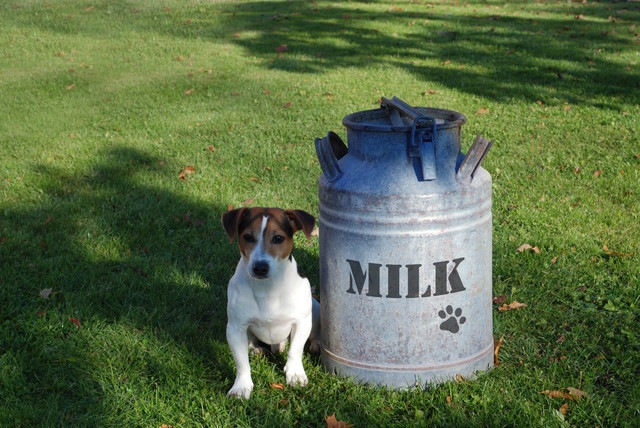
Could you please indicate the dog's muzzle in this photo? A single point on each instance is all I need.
(260, 269)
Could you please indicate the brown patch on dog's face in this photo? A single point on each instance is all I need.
(268, 227)
(272, 228)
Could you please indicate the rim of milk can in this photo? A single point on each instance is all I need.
(361, 120)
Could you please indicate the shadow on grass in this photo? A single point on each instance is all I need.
(562, 56)
(146, 264)
(132, 270)
(555, 54)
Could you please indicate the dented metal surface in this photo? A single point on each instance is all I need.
(405, 248)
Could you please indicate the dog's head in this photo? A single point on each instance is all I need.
(265, 235)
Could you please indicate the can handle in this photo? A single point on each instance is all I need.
(473, 159)
(330, 150)
(422, 139)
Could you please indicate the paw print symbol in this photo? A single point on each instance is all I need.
(452, 321)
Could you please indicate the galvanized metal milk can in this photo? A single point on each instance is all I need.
(405, 248)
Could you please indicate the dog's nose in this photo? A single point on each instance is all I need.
(261, 269)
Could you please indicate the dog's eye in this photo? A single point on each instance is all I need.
(249, 238)
(278, 239)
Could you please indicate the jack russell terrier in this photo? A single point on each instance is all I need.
(268, 301)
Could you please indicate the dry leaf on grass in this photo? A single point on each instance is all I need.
(564, 408)
(497, 344)
(186, 171)
(499, 300)
(577, 394)
(610, 253)
(570, 394)
(332, 422)
(513, 305)
(526, 247)
(277, 386)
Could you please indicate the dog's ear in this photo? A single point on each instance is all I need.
(301, 220)
(230, 222)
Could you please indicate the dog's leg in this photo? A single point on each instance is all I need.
(294, 370)
(239, 343)
(279, 347)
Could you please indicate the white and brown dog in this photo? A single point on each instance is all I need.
(268, 301)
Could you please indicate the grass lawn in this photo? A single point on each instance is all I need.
(113, 263)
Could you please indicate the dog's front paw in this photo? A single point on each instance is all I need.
(295, 374)
(241, 388)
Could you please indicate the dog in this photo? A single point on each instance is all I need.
(268, 300)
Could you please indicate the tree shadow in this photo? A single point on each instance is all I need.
(494, 56)
(115, 256)
(112, 251)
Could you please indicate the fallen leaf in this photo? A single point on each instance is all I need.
(46, 293)
(526, 247)
(75, 321)
(556, 394)
(576, 394)
(186, 171)
(256, 179)
(483, 111)
(315, 232)
(430, 92)
(248, 201)
(282, 48)
(564, 408)
(188, 91)
(277, 386)
(580, 16)
(513, 305)
(166, 426)
(554, 260)
(211, 149)
(497, 344)
(332, 422)
(71, 86)
(610, 253)
(447, 62)
(570, 394)
(498, 300)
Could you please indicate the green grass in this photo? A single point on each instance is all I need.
(103, 103)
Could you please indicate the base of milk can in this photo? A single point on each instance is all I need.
(406, 377)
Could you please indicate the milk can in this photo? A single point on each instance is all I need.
(405, 248)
